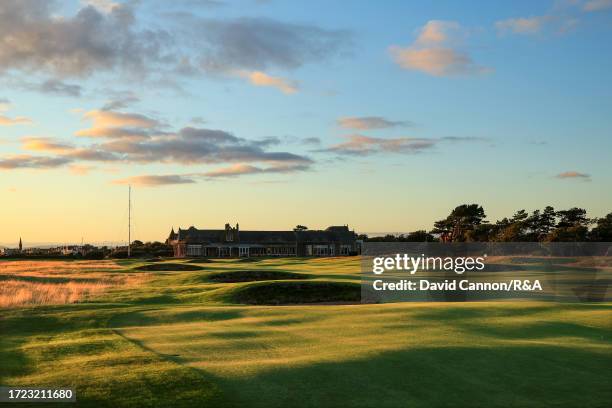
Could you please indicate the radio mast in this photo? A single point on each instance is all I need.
(129, 220)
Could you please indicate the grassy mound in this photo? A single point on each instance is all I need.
(169, 267)
(253, 276)
(286, 293)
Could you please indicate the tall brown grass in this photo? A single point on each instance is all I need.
(30, 283)
(19, 293)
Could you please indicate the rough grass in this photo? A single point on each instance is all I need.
(173, 340)
(15, 293)
(29, 283)
(65, 269)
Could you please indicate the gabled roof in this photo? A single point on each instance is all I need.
(332, 234)
(193, 234)
(267, 236)
(314, 236)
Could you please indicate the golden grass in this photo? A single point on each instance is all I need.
(62, 268)
(19, 293)
(31, 283)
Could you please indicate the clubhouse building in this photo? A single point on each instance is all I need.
(231, 242)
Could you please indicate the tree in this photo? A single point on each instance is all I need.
(520, 216)
(531, 225)
(547, 221)
(300, 228)
(462, 219)
(511, 233)
(603, 230)
(419, 236)
(480, 233)
(573, 226)
(576, 233)
(539, 224)
(514, 229)
(574, 217)
(148, 249)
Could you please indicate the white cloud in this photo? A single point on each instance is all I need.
(437, 32)
(562, 17)
(369, 122)
(574, 175)
(112, 124)
(34, 39)
(136, 138)
(597, 5)
(19, 120)
(155, 181)
(241, 169)
(434, 52)
(80, 170)
(103, 5)
(8, 121)
(259, 78)
(521, 25)
(360, 145)
(25, 161)
(43, 144)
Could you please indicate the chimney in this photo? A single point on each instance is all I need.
(229, 236)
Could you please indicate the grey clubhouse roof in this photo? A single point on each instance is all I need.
(336, 233)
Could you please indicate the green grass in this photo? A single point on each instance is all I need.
(183, 339)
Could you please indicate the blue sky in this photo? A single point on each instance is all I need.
(274, 113)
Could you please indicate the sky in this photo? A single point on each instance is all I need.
(381, 116)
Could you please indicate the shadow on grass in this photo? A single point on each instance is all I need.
(199, 261)
(565, 374)
(286, 293)
(532, 329)
(18, 326)
(15, 362)
(148, 318)
(542, 330)
(531, 376)
(38, 345)
(236, 334)
(169, 267)
(156, 300)
(252, 276)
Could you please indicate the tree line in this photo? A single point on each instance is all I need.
(467, 223)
